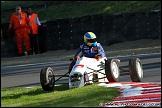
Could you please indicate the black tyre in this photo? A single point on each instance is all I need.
(135, 70)
(47, 79)
(112, 70)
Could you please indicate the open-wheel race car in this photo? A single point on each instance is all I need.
(86, 71)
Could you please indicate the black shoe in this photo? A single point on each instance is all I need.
(22, 54)
(30, 52)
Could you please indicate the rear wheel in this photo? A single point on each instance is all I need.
(112, 70)
(135, 70)
(47, 79)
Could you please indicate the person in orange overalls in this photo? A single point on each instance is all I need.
(34, 23)
(21, 27)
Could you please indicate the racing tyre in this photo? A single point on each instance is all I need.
(47, 79)
(135, 70)
(112, 70)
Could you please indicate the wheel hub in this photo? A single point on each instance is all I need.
(115, 69)
(140, 71)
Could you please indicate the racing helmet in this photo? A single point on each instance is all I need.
(90, 39)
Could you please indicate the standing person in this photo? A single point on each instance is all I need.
(20, 22)
(34, 23)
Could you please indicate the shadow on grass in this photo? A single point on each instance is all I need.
(34, 92)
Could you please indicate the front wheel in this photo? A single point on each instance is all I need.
(135, 70)
(47, 79)
(112, 70)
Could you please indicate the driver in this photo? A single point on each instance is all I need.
(90, 48)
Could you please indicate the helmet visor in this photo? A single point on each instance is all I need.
(91, 40)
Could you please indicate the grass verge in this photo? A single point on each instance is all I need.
(62, 96)
(68, 9)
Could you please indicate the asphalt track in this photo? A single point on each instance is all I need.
(29, 74)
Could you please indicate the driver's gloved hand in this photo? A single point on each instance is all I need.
(98, 57)
(77, 57)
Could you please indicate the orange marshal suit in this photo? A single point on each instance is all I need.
(21, 30)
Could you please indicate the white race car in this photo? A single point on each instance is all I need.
(86, 71)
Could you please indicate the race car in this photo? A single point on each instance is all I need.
(86, 71)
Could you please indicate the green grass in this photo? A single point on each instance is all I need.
(68, 9)
(86, 96)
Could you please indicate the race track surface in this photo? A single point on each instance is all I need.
(29, 74)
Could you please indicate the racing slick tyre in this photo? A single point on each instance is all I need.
(112, 70)
(47, 79)
(135, 70)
